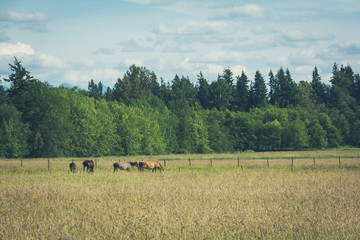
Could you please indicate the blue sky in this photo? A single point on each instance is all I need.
(76, 41)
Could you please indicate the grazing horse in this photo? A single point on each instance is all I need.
(88, 164)
(124, 166)
(150, 165)
(134, 164)
(72, 167)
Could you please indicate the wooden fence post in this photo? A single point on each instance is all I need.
(242, 168)
(314, 161)
(21, 163)
(267, 161)
(339, 162)
(164, 163)
(292, 164)
(49, 164)
(189, 162)
(238, 161)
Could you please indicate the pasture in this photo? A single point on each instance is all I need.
(199, 202)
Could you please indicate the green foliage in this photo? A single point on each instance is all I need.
(317, 135)
(242, 92)
(13, 133)
(257, 96)
(140, 116)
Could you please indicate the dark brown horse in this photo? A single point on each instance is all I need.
(72, 167)
(89, 165)
(150, 165)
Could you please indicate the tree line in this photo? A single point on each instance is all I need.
(144, 115)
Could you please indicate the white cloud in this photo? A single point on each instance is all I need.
(17, 49)
(237, 69)
(259, 29)
(104, 51)
(352, 47)
(223, 57)
(249, 46)
(35, 62)
(245, 11)
(13, 16)
(154, 2)
(194, 28)
(50, 62)
(28, 21)
(302, 58)
(81, 78)
(134, 46)
(210, 70)
(303, 36)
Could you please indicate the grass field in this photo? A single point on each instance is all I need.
(222, 202)
(348, 157)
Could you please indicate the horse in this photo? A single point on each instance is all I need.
(134, 164)
(72, 167)
(150, 165)
(88, 164)
(124, 166)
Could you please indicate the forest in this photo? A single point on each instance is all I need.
(142, 114)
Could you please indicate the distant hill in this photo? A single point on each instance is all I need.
(66, 85)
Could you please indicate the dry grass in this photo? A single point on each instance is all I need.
(190, 203)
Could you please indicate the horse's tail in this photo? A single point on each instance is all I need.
(161, 167)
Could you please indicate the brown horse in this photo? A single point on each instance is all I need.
(89, 165)
(72, 167)
(150, 165)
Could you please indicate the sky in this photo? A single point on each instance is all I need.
(76, 41)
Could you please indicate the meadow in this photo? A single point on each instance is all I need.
(199, 202)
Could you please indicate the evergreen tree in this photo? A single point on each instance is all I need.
(356, 89)
(108, 94)
(182, 89)
(258, 91)
(343, 83)
(95, 90)
(138, 83)
(227, 76)
(242, 92)
(165, 91)
(274, 89)
(19, 79)
(318, 93)
(203, 89)
(220, 94)
(287, 88)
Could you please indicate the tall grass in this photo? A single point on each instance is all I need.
(186, 203)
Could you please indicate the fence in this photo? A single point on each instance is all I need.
(291, 162)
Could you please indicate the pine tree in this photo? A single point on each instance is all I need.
(203, 91)
(19, 79)
(258, 91)
(242, 92)
(318, 93)
(274, 89)
(287, 88)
